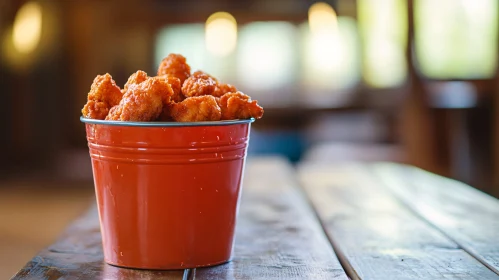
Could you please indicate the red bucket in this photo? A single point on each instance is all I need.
(168, 193)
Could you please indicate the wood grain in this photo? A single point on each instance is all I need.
(277, 237)
(466, 215)
(377, 237)
(78, 255)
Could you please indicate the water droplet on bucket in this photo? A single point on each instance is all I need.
(216, 190)
(117, 167)
(201, 188)
(218, 138)
(121, 254)
(121, 175)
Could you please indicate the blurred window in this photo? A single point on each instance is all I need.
(456, 39)
(383, 29)
(331, 58)
(185, 39)
(267, 60)
(266, 55)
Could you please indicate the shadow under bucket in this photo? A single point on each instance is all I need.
(167, 193)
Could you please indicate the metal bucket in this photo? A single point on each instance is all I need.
(168, 193)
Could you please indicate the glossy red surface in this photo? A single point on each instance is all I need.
(167, 196)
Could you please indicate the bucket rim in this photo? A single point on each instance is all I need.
(165, 124)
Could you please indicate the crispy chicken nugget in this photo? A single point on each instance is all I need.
(202, 83)
(115, 113)
(95, 110)
(140, 76)
(135, 79)
(194, 109)
(142, 102)
(176, 87)
(175, 65)
(237, 105)
(199, 84)
(222, 89)
(104, 94)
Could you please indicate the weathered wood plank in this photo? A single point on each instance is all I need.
(466, 215)
(78, 255)
(376, 236)
(278, 235)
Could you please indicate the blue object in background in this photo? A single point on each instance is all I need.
(286, 143)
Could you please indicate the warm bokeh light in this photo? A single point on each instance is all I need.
(322, 17)
(331, 60)
(221, 34)
(27, 27)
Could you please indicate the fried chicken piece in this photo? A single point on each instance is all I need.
(140, 76)
(222, 89)
(176, 87)
(115, 113)
(104, 94)
(142, 102)
(202, 74)
(194, 109)
(135, 79)
(95, 110)
(202, 83)
(199, 84)
(175, 65)
(237, 105)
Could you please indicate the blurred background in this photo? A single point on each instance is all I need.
(394, 80)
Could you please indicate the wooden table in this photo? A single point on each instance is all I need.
(324, 221)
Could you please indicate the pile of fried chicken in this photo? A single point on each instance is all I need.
(173, 95)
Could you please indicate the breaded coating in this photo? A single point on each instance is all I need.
(95, 110)
(222, 89)
(103, 95)
(202, 74)
(135, 79)
(202, 83)
(175, 65)
(176, 87)
(115, 113)
(195, 109)
(237, 105)
(143, 102)
(199, 84)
